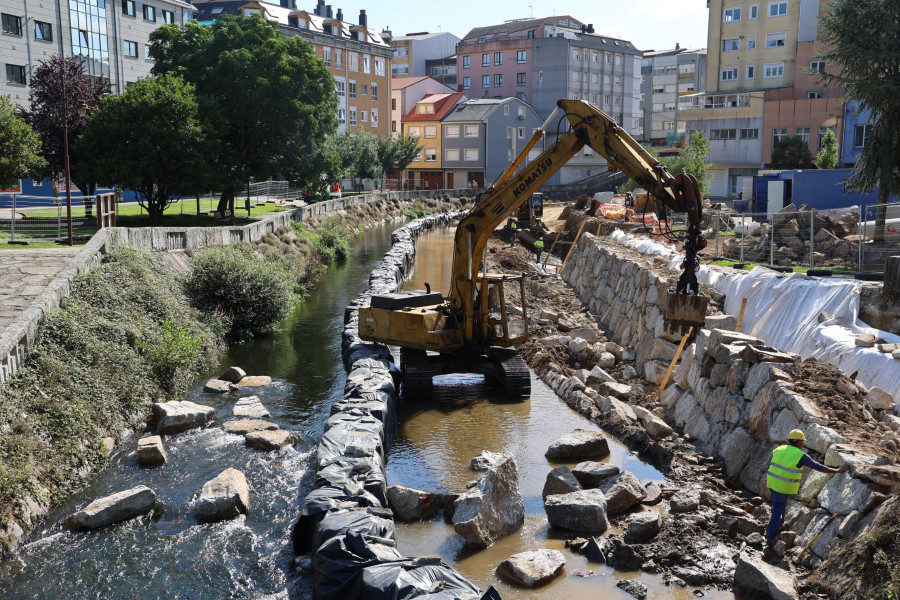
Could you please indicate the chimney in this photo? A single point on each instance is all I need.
(590, 28)
(677, 46)
(363, 19)
(328, 12)
(340, 15)
(320, 8)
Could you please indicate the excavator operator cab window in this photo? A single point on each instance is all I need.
(502, 325)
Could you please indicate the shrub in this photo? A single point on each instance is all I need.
(330, 239)
(254, 292)
(171, 353)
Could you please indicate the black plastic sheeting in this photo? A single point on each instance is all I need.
(345, 521)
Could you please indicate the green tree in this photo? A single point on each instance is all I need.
(148, 139)
(266, 99)
(397, 152)
(20, 147)
(694, 156)
(863, 58)
(791, 152)
(827, 158)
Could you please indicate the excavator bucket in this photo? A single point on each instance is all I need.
(684, 311)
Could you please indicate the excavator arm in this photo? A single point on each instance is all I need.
(588, 126)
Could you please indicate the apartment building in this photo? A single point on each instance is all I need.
(424, 121)
(407, 91)
(413, 50)
(482, 136)
(443, 69)
(543, 60)
(357, 57)
(665, 76)
(110, 37)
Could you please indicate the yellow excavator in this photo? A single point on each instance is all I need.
(473, 329)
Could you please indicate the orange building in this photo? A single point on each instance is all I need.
(424, 122)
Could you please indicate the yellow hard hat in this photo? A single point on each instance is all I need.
(796, 434)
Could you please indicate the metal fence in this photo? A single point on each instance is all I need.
(30, 218)
(880, 228)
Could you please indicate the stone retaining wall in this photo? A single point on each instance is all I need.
(727, 397)
(359, 433)
(17, 340)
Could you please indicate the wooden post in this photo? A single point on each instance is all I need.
(575, 241)
(741, 315)
(671, 368)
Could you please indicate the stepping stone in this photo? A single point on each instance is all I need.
(114, 509)
(217, 386)
(224, 497)
(532, 568)
(268, 440)
(251, 407)
(254, 381)
(233, 375)
(151, 452)
(578, 444)
(177, 416)
(245, 426)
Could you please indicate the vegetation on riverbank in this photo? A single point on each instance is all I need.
(125, 338)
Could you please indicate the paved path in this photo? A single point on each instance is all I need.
(23, 276)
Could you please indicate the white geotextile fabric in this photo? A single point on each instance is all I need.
(783, 311)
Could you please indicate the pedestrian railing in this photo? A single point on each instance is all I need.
(32, 218)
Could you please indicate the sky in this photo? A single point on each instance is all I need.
(649, 24)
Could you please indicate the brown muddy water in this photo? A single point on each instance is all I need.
(439, 437)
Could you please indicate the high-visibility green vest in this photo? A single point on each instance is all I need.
(539, 244)
(784, 475)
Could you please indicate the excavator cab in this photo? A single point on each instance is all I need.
(532, 211)
(501, 324)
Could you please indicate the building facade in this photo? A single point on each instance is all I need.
(110, 37)
(424, 122)
(411, 51)
(443, 69)
(856, 132)
(406, 91)
(482, 136)
(356, 56)
(665, 76)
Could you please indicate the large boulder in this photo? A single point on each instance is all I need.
(180, 415)
(224, 497)
(114, 509)
(532, 568)
(268, 441)
(579, 511)
(492, 508)
(151, 452)
(622, 491)
(560, 480)
(590, 473)
(254, 381)
(642, 527)
(251, 408)
(577, 445)
(410, 504)
(217, 386)
(757, 579)
(233, 374)
(245, 426)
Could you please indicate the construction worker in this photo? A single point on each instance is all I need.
(783, 478)
(538, 249)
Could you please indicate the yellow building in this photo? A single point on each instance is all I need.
(424, 122)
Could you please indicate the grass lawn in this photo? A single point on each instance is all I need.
(837, 270)
(36, 244)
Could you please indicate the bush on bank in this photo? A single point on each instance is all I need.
(126, 337)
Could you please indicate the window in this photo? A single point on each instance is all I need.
(482, 40)
(618, 60)
(43, 31)
(471, 131)
(485, 60)
(425, 108)
(506, 110)
(430, 155)
(822, 132)
(617, 81)
(414, 131)
(778, 134)
(803, 134)
(595, 56)
(814, 95)
(576, 76)
(617, 100)
(147, 52)
(342, 115)
(817, 65)
(249, 12)
(731, 45)
(128, 7)
(777, 9)
(338, 58)
(520, 78)
(364, 89)
(606, 99)
(374, 91)
(393, 126)
(353, 115)
(353, 61)
(168, 16)
(467, 83)
(379, 66)
(363, 116)
(467, 62)
(149, 13)
(400, 69)
(404, 51)
(12, 24)
(509, 155)
(722, 134)
(729, 74)
(751, 72)
(754, 11)
(485, 81)
(393, 104)
(498, 58)
(731, 15)
(595, 78)
(775, 40)
(374, 115)
(352, 88)
(774, 70)
(608, 57)
(451, 154)
(751, 42)
(15, 74)
(521, 56)
(498, 80)
(509, 133)
(861, 133)
(521, 113)
(470, 154)
(131, 49)
(575, 96)
(749, 134)
(669, 125)
(430, 132)
(451, 131)
(326, 55)
(366, 63)
(521, 133)
(530, 35)
(340, 87)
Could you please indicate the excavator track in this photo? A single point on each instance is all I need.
(516, 375)
(417, 375)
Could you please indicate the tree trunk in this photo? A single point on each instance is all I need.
(880, 214)
(155, 210)
(226, 202)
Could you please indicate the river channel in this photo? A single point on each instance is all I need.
(175, 556)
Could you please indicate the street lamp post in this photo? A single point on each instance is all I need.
(82, 110)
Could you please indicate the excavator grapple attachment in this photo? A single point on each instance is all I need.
(684, 311)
